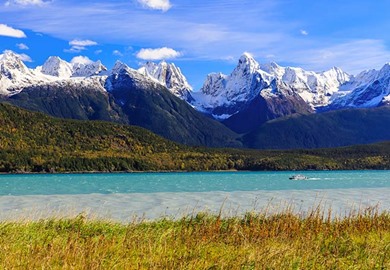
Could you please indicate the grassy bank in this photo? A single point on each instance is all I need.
(255, 241)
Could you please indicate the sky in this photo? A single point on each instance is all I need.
(200, 36)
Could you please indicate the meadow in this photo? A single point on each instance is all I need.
(282, 240)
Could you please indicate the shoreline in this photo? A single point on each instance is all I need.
(181, 171)
(152, 206)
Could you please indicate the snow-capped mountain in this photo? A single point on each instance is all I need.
(368, 89)
(250, 78)
(11, 63)
(146, 102)
(315, 88)
(223, 96)
(276, 100)
(89, 69)
(12, 72)
(15, 75)
(120, 67)
(169, 76)
(55, 66)
(278, 90)
(122, 74)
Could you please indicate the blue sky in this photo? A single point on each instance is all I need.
(201, 36)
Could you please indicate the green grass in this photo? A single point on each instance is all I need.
(254, 241)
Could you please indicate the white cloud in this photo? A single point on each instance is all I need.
(25, 57)
(304, 32)
(8, 31)
(270, 56)
(229, 58)
(163, 5)
(22, 46)
(80, 45)
(198, 30)
(212, 30)
(98, 51)
(75, 49)
(158, 54)
(117, 53)
(81, 60)
(26, 2)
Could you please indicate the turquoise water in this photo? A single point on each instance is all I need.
(114, 183)
(122, 196)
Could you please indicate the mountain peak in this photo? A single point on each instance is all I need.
(9, 55)
(336, 70)
(10, 63)
(246, 55)
(119, 67)
(246, 58)
(223, 96)
(274, 65)
(246, 64)
(57, 67)
(54, 58)
(164, 63)
(88, 69)
(273, 69)
(168, 75)
(385, 70)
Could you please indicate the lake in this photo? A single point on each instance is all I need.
(126, 196)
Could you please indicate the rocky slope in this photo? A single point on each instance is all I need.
(367, 90)
(169, 76)
(151, 105)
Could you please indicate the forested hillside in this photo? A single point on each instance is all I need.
(321, 130)
(34, 142)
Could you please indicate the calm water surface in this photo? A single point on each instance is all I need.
(153, 195)
(50, 184)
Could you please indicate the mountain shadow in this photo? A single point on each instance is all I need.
(330, 129)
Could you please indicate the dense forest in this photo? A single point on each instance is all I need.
(34, 142)
(317, 130)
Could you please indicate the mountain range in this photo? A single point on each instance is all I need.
(235, 110)
(35, 142)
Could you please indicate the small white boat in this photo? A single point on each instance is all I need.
(298, 177)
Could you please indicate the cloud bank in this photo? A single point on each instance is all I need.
(22, 46)
(81, 60)
(80, 45)
(217, 30)
(8, 31)
(158, 54)
(304, 32)
(163, 5)
(117, 53)
(26, 2)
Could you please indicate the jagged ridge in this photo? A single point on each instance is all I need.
(251, 95)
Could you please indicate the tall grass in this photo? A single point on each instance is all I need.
(202, 241)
